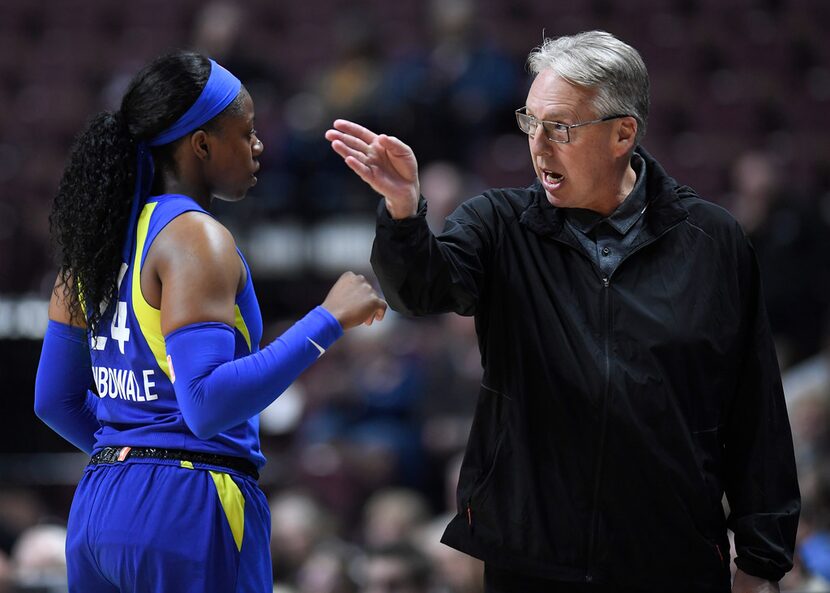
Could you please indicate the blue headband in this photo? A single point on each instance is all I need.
(221, 89)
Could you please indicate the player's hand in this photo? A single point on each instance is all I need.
(384, 162)
(745, 583)
(353, 301)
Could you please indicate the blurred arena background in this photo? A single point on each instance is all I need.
(363, 451)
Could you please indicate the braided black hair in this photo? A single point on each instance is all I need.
(92, 206)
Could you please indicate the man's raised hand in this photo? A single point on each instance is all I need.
(385, 163)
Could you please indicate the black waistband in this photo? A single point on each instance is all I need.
(116, 454)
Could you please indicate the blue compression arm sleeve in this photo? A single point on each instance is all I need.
(216, 392)
(62, 397)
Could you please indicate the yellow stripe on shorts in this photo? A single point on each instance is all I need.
(233, 504)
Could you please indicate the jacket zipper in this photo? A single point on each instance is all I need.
(594, 526)
(606, 283)
(594, 533)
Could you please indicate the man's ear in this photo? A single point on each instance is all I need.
(200, 144)
(626, 136)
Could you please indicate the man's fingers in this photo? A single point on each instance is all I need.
(364, 172)
(394, 145)
(345, 151)
(347, 139)
(356, 130)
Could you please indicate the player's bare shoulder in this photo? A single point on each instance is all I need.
(193, 248)
(196, 235)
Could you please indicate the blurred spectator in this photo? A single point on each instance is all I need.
(453, 377)
(38, 559)
(460, 83)
(395, 568)
(452, 473)
(391, 515)
(799, 580)
(6, 573)
(370, 417)
(298, 525)
(20, 509)
(810, 421)
(813, 547)
(327, 570)
(814, 554)
(219, 31)
(793, 247)
(447, 186)
(346, 86)
(349, 84)
(452, 571)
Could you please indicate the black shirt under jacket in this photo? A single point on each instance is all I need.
(608, 239)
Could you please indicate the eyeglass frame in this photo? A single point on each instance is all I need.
(522, 111)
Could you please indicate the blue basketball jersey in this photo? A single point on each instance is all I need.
(138, 406)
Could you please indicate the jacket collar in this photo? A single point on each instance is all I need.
(663, 209)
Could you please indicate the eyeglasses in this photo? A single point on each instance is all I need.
(554, 131)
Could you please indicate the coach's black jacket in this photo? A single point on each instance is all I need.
(613, 412)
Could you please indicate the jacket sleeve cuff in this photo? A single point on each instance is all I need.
(760, 569)
(386, 220)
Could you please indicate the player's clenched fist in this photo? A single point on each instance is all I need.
(353, 301)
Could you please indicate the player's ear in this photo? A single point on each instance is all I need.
(200, 144)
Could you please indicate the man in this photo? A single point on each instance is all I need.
(629, 375)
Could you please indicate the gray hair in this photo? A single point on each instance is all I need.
(598, 60)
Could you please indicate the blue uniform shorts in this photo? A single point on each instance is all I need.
(152, 526)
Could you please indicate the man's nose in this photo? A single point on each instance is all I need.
(539, 143)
